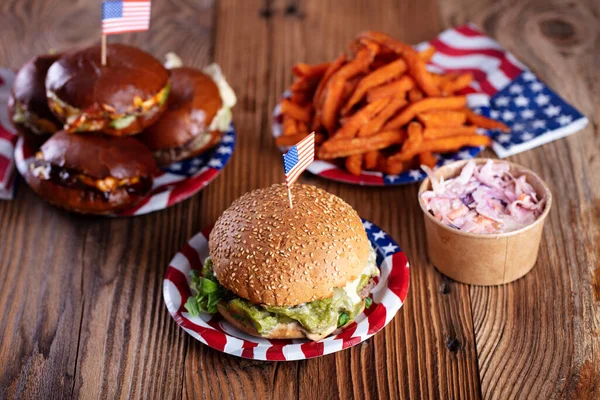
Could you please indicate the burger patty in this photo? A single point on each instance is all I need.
(367, 289)
(167, 156)
(98, 117)
(75, 179)
(315, 317)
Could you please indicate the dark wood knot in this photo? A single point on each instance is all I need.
(453, 344)
(445, 286)
(558, 30)
(265, 12)
(291, 9)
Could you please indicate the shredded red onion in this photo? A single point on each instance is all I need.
(483, 199)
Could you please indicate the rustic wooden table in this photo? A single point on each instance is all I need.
(81, 308)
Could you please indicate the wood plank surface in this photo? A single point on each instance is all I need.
(538, 337)
(81, 308)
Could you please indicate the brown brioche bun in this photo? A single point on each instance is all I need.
(28, 92)
(96, 157)
(79, 79)
(192, 105)
(268, 253)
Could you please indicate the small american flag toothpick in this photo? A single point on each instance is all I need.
(120, 16)
(296, 160)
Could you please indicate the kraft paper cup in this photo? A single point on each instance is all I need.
(484, 259)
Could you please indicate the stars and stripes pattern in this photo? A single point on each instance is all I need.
(125, 16)
(8, 139)
(174, 184)
(388, 297)
(298, 158)
(502, 88)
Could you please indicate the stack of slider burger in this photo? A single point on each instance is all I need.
(102, 131)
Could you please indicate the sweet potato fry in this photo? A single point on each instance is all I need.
(304, 84)
(387, 41)
(335, 88)
(320, 138)
(289, 140)
(443, 145)
(394, 167)
(290, 126)
(295, 111)
(427, 158)
(431, 103)
(419, 72)
(346, 147)
(333, 68)
(484, 122)
(370, 159)
(404, 84)
(416, 66)
(307, 70)
(440, 132)
(302, 127)
(354, 164)
(427, 54)
(442, 118)
(351, 127)
(415, 133)
(300, 98)
(375, 78)
(454, 85)
(375, 124)
(414, 95)
(441, 79)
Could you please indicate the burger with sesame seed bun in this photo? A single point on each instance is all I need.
(286, 273)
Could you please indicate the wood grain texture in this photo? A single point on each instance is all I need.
(539, 337)
(407, 359)
(81, 309)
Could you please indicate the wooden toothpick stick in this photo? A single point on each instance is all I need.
(103, 58)
(290, 196)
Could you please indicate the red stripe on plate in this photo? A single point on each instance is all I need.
(178, 278)
(376, 317)
(398, 279)
(5, 134)
(206, 231)
(353, 341)
(347, 332)
(337, 174)
(215, 339)
(192, 255)
(132, 210)
(188, 187)
(248, 349)
(275, 353)
(4, 169)
(312, 349)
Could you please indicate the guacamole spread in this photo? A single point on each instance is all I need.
(315, 316)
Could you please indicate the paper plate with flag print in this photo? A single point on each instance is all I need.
(388, 296)
(174, 184)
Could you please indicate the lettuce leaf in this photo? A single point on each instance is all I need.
(208, 291)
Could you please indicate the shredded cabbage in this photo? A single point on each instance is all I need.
(483, 199)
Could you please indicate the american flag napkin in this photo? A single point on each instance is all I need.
(504, 89)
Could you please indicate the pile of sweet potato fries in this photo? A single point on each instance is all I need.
(380, 109)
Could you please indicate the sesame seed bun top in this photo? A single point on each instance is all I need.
(267, 253)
